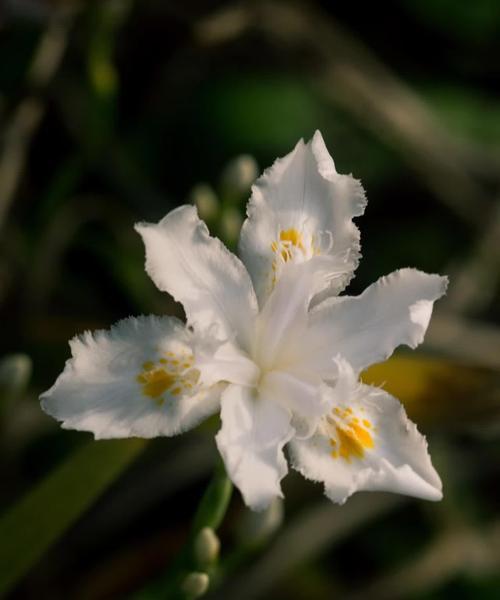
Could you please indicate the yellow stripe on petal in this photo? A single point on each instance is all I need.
(170, 376)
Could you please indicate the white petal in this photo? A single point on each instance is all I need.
(384, 452)
(135, 380)
(301, 207)
(224, 363)
(302, 394)
(283, 321)
(254, 431)
(199, 271)
(366, 329)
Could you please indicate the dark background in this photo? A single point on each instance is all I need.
(113, 112)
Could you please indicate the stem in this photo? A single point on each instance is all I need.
(210, 513)
(215, 501)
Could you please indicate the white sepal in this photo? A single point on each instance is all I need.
(137, 379)
(368, 443)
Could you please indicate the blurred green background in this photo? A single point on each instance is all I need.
(117, 111)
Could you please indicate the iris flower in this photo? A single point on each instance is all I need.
(268, 342)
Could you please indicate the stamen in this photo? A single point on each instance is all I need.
(290, 240)
(297, 245)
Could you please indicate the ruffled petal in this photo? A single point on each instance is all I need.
(253, 433)
(198, 271)
(138, 379)
(366, 329)
(300, 208)
(366, 443)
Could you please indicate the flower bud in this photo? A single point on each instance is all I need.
(240, 173)
(195, 584)
(206, 547)
(205, 200)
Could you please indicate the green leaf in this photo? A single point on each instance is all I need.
(32, 525)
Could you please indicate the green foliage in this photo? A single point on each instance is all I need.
(268, 112)
(472, 21)
(33, 524)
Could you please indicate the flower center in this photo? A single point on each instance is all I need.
(349, 434)
(289, 240)
(293, 245)
(289, 245)
(172, 374)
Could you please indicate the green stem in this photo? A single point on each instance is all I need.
(213, 506)
(210, 513)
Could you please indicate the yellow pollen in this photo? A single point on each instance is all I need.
(292, 236)
(166, 375)
(351, 437)
(288, 238)
(364, 437)
(155, 382)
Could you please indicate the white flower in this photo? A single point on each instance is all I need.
(268, 342)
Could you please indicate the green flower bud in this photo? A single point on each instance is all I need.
(205, 200)
(239, 174)
(195, 584)
(206, 547)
